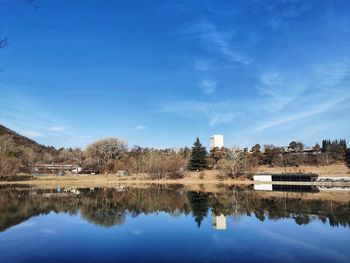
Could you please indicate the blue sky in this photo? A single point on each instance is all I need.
(160, 73)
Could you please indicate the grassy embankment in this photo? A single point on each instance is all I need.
(207, 178)
(334, 170)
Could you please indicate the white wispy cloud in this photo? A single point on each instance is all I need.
(218, 40)
(140, 127)
(322, 107)
(221, 118)
(214, 113)
(27, 115)
(279, 13)
(56, 128)
(84, 137)
(299, 99)
(280, 88)
(202, 65)
(331, 74)
(208, 86)
(32, 134)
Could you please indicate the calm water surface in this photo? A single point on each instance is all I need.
(162, 224)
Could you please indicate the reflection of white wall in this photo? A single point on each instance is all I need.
(333, 179)
(263, 178)
(219, 222)
(216, 141)
(333, 188)
(263, 187)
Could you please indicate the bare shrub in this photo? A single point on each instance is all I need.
(201, 175)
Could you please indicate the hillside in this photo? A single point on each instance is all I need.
(23, 141)
(18, 153)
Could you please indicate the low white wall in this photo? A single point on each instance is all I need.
(263, 187)
(262, 178)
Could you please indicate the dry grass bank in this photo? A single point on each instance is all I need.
(82, 181)
(209, 180)
(329, 170)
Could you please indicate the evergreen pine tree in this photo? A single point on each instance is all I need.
(198, 158)
(347, 157)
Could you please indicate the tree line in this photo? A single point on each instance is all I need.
(110, 155)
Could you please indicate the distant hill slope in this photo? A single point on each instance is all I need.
(21, 140)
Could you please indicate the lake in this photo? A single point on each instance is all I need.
(171, 224)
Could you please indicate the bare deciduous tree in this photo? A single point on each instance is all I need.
(100, 153)
(233, 163)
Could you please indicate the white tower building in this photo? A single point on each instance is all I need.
(216, 141)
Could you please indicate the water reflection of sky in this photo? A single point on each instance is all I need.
(60, 237)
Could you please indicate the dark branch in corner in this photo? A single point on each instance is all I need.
(3, 42)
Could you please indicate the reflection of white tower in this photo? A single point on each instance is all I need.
(219, 222)
(216, 141)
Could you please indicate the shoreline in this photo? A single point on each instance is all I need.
(339, 192)
(208, 178)
(110, 181)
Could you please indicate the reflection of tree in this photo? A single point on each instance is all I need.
(302, 220)
(109, 207)
(17, 206)
(199, 205)
(260, 215)
(102, 217)
(176, 213)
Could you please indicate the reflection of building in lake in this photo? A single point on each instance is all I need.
(219, 222)
(286, 188)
